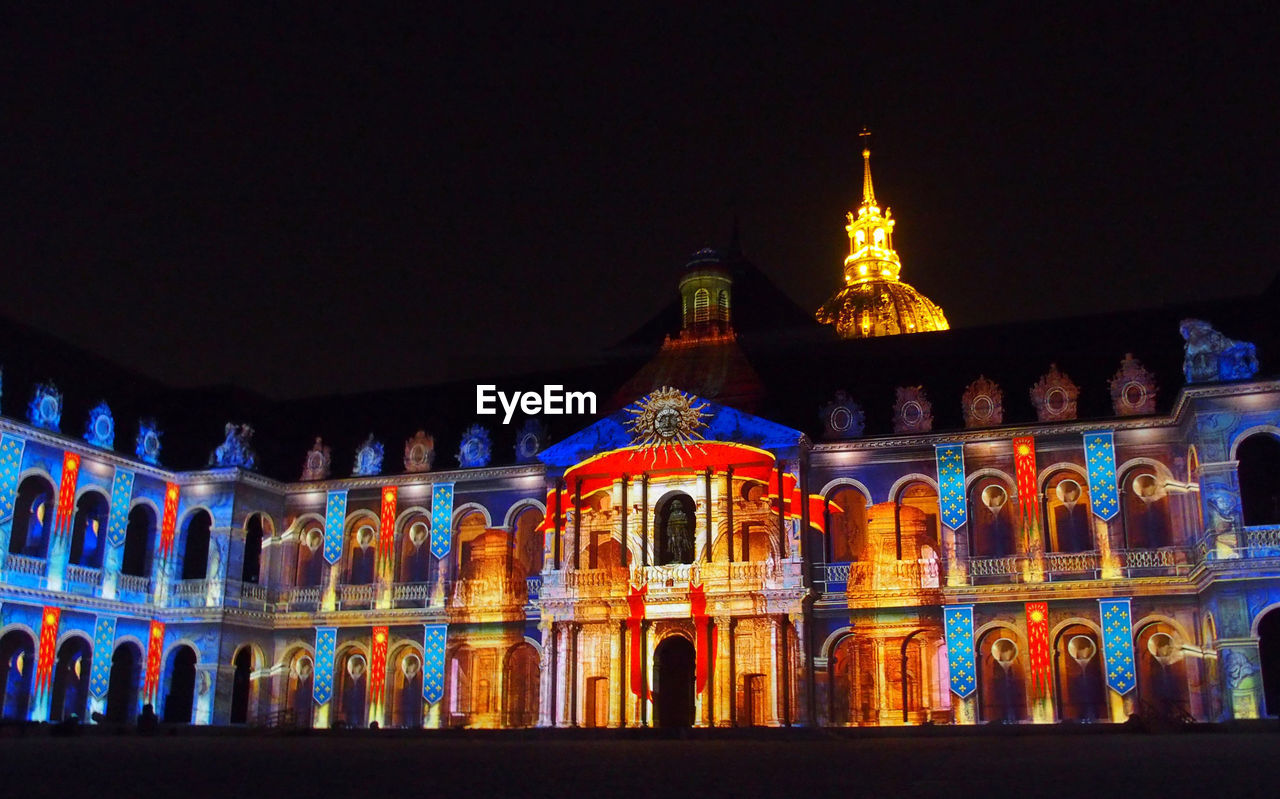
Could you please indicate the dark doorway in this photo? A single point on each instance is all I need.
(122, 687)
(17, 662)
(88, 527)
(673, 682)
(137, 542)
(1259, 470)
(252, 549)
(71, 680)
(1269, 650)
(180, 700)
(240, 686)
(195, 553)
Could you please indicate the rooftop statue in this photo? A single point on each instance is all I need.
(235, 450)
(1211, 357)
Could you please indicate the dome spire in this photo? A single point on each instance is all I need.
(868, 191)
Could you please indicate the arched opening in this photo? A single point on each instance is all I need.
(122, 685)
(1146, 509)
(916, 523)
(1162, 672)
(1259, 471)
(1067, 512)
(136, 558)
(1269, 653)
(32, 518)
(240, 685)
(701, 306)
(70, 690)
(415, 550)
(1002, 687)
(529, 547)
(310, 557)
(180, 699)
(521, 685)
(352, 688)
(843, 680)
(362, 541)
(848, 530)
(673, 682)
(252, 564)
(405, 689)
(673, 542)
(991, 519)
(1077, 667)
(484, 558)
(603, 550)
(905, 671)
(88, 527)
(298, 699)
(195, 548)
(18, 662)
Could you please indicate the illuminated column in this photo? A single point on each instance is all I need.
(733, 673)
(329, 591)
(646, 698)
(546, 672)
(882, 688)
(207, 690)
(1109, 561)
(620, 666)
(1219, 493)
(575, 673)
(561, 694)
(722, 676)
(709, 523)
(775, 649)
(1242, 671)
(797, 674)
(644, 519)
(623, 518)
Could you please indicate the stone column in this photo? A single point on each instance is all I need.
(1220, 503)
(1241, 669)
(546, 673)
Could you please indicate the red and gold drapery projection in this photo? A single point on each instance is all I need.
(635, 604)
(1038, 647)
(387, 531)
(748, 463)
(704, 635)
(155, 653)
(1024, 462)
(67, 492)
(378, 665)
(169, 521)
(49, 620)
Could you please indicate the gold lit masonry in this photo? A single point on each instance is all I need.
(873, 301)
(666, 417)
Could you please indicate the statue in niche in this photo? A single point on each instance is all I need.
(678, 534)
(318, 460)
(1210, 356)
(235, 449)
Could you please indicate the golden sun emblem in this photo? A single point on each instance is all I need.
(667, 417)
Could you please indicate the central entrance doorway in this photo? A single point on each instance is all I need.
(673, 682)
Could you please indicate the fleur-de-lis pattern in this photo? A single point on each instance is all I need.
(11, 448)
(335, 515)
(951, 485)
(121, 495)
(322, 675)
(441, 518)
(959, 621)
(1100, 450)
(104, 641)
(1117, 644)
(433, 644)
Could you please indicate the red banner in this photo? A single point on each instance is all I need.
(1024, 462)
(378, 664)
(168, 522)
(387, 529)
(155, 652)
(1038, 644)
(67, 492)
(704, 639)
(48, 650)
(635, 601)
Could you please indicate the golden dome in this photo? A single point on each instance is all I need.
(874, 302)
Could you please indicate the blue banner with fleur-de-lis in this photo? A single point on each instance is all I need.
(118, 517)
(335, 517)
(433, 643)
(951, 501)
(1100, 451)
(1117, 644)
(11, 448)
(104, 641)
(959, 624)
(322, 673)
(441, 518)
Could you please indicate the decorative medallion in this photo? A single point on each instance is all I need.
(235, 449)
(476, 447)
(666, 417)
(45, 409)
(147, 448)
(982, 403)
(1210, 356)
(101, 428)
(912, 411)
(1054, 396)
(530, 439)
(368, 458)
(842, 417)
(419, 452)
(1133, 388)
(319, 458)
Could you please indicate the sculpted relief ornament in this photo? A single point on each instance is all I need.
(912, 410)
(1133, 388)
(842, 417)
(982, 404)
(1210, 357)
(319, 458)
(666, 417)
(368, 458)
(419, 452)
(476, 447)
(1054, 396)
(235, 449)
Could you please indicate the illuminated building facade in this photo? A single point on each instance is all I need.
(699, 553)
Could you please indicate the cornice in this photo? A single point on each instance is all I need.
(418, 478)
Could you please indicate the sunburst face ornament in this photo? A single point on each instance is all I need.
(666, 418)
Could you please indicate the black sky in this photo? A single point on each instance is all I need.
(306, 199)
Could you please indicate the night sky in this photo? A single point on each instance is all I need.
(304, 200)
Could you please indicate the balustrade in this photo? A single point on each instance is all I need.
(84, 575)
(22, 564)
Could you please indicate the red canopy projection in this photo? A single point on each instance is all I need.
(749, 463)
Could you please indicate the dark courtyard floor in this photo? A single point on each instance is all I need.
(1212, 763)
